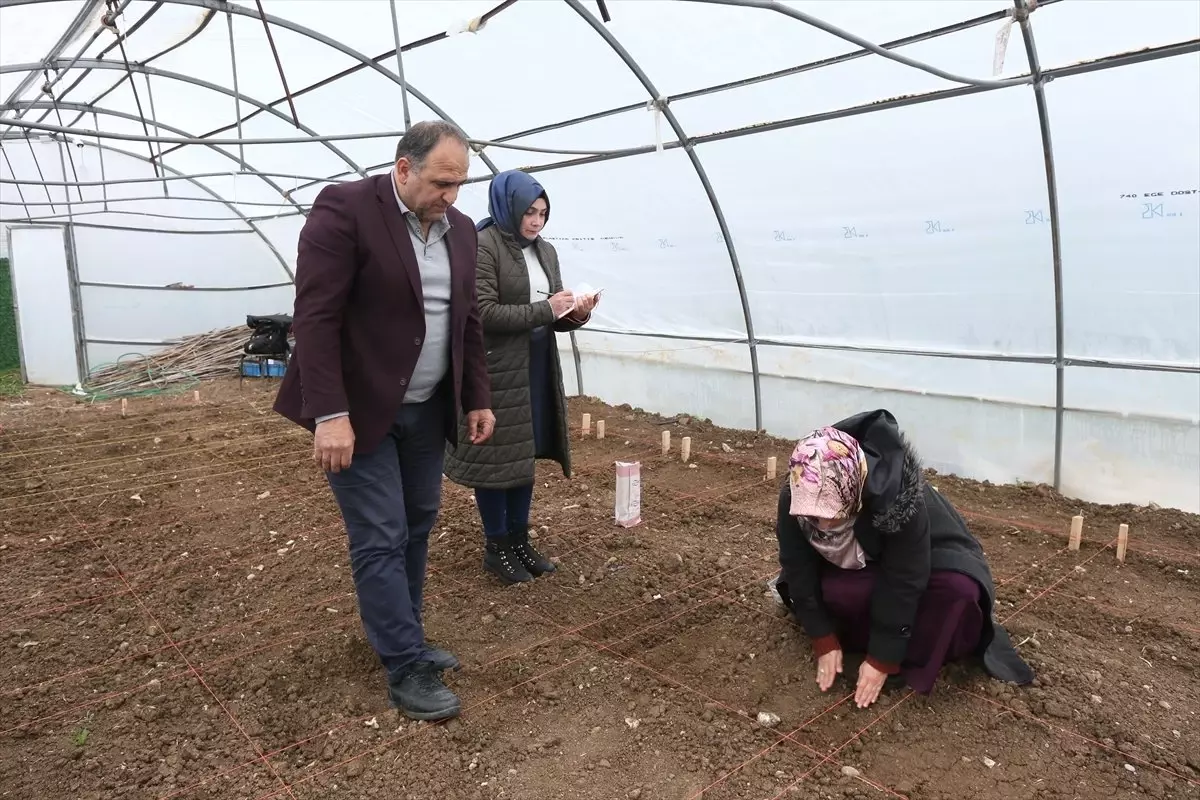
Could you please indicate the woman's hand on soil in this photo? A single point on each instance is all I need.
(870, 682)
(829, 666)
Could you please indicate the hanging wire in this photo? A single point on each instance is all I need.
(110, 21)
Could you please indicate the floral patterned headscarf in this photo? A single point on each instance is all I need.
(826, 472)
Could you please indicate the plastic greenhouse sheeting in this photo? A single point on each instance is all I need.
(998, 239)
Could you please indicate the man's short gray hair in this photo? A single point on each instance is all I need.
(420, 139)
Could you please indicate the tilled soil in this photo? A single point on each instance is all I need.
(177, 620)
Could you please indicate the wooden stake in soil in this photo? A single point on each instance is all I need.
(599, 429)
(666, 439)
(771, 462)
(1122, 542)
(196, 397)
(1076, 532)
(685, 448)
(124, 406)
(587, 424)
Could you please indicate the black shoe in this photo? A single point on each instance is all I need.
(420, 694)
(500, 560)
(533, 561)
(441, 659)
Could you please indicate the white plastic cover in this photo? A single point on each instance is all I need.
(865, 219)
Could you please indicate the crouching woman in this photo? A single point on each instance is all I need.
(875, 561)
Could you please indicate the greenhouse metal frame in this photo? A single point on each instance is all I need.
(52, 114)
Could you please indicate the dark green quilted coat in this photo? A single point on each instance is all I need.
(506, 460)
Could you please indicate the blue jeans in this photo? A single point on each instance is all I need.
(504, 511)
(389, 500)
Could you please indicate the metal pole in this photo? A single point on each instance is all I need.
(400, 65)
(1021, 13)
(83, 363)
(20, 191)
(38, 165)
(278, 63)
(103, 177)
(833, 30)
(237, 92)
(157, 198)
(73, 273)
(335, 137)
(154, 122)
(688, 147)
(578, 364)
(70, 155)
(958, 355)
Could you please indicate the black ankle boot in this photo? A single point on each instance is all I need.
(420, 694)
(500, 560)
(530, 558)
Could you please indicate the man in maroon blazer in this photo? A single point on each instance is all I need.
(389, 352)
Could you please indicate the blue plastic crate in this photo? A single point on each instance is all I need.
(256, 366)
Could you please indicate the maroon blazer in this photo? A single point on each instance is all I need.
(359, 316)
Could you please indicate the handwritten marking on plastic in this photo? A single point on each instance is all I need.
(784, 236)
(935, 226)
(1034, 217)
(664, 244)
(851, 232)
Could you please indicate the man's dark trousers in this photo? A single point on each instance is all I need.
(389, 500)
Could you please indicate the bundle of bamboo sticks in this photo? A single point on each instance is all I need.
(175, 368)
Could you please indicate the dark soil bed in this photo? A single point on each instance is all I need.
(177, 620)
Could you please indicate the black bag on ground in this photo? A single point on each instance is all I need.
(270, 337)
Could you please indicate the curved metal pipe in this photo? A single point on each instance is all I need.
(630, 62)
(282, 261)
(336, 45)
(330, 79)
(331, 137)
(1021, 14)
(135, 118)
(367, 62)
(199, 29)
(74, 29)
(118, 40)
(833, 30)
(96, 63)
